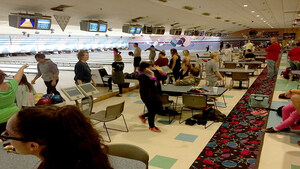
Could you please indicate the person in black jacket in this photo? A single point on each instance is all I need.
(82, 69)
(150, 92)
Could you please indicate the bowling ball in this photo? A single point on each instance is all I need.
(48, 96)
(44, 101)
(56, 99)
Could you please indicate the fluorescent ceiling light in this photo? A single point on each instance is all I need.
(245, 6)
(261, 18)
(252, 11)
(257, 15)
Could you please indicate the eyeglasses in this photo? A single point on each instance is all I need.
(5, 136)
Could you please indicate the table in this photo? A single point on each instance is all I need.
(237, 70)
(247, 63)
(173, 90)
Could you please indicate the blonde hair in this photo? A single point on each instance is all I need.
(186, 53)
(213, 55)
(81, 53)
(118, 57)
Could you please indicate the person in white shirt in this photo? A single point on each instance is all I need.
(227, 53)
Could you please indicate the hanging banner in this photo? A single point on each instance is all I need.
(62, 21)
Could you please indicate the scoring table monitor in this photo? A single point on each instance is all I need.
(73, 93)
(88, 89)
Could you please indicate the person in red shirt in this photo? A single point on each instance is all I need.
(162, 60)
(272, 58)
(294, 55)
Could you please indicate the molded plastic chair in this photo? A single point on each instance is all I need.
(111, 113)
(194, 102)
(130, 156)
(230, 65)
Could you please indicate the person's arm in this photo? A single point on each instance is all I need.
(79, 73)
(156, 49)
(93, 82)
(39, 74)
(219, 75)
(20, 72)
(174, 61)
(147, 49)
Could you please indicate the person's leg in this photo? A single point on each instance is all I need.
(2, 127)
(48, 85)
(270, 67)
(297, 63)
(292, 64)
(109, 81)
(294, 117)
(275, 70)
(53, 88)
(287, 110)
(120, 88)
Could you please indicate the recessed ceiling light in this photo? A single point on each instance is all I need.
(252, 11)
(245, 6)
(261, 18)
(264, 21)
(257, 15)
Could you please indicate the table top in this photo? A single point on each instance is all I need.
(237, 70)
(295, 72)
(170, 88)
(247, 63)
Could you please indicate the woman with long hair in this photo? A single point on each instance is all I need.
(187, 57)
(117, 74)
(25, 94)
(62, 137)
(175, 63)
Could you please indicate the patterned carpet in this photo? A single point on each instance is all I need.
(237, 142)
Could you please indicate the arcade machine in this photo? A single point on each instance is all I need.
(84, 93)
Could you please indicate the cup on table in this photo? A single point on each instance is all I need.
(246, 67)
(215, 89)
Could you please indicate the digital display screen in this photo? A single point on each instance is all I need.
(93, 27)
(27, 23)
(102, 28)
(73, 92)
(132, 29)
(138, 30)
(88, 88)
(43, 24)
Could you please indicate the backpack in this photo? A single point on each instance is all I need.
(286, 73)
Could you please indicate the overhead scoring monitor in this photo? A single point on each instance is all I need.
(44, 24)
(102, 27)
(93, 27)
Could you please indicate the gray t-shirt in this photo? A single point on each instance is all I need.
(211, 68)
(137, 52)
(47, 70)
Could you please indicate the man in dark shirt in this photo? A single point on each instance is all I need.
(249, 54)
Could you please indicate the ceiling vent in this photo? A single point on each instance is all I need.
(206, 14)
(60, 8)
(227, 20)
(163, 0)
(218, 17)
(233, 22)
(188, 8)
(134, 20)
(173, 24)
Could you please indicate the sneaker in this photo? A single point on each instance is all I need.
(155, 129)
(119, 95)
(142, 118)
(270, 130)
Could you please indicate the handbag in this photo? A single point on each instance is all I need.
(259, 101)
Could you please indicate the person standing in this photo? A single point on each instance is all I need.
(187, 57)
(227, 53)
(152, 53)
(25, 94)
(137, 57)
(8, 92)
(294, 55)
(272, 57)
(221, 45)
(49, 72)
(175, 63)
(117, 74)
(162, 59)
(249, 45)
(150, 92)
(212, 71)
(82, 69)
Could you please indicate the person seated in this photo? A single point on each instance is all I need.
(191, 80)
(162, 59)
(184, 71)
(212, 70)
(61, 137)
(249, 54)
(290, 114)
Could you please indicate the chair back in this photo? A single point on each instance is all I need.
(165, 99)
(253, 66)
(194, 101)
(129, 152)
(114, 111)
(239, 76)
(230, 65)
